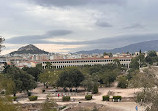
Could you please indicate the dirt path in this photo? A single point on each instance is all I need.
(120, 106)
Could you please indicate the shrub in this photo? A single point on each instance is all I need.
(88, 97)
(63, 107)
(14, 98)
(2, 92)
(43, 90)
(117, 97)
(29, 93)
(95, 89)
(105, 98)
(33, 98)
(66, 98)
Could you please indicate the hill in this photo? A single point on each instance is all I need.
(29, 49)
(144, 46)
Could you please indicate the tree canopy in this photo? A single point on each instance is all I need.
(34, 71)
(151, 57)
(23, 81)
(148, 81)
(107, 54)
(49, 77)
(70, 77)
(7, 105)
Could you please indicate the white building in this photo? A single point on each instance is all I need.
(86, 61)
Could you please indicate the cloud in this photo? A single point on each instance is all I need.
(62, 3)
(134, 26)
(36, 39)
(96, 23)
(102, 23)
(57, 33)
(65, 46)
(106, 43)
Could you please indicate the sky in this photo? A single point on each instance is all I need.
(64, 26)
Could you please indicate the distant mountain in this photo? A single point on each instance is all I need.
(144, 46)
(29, 49)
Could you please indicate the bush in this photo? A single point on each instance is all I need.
(95, 89)
(115, 98)
(33, 98)
(105, 98)
(43, 90)
(66, 98)
(29, 93)
(2, 92)
(63, 107)
(88, 97)
(14, 98)
(123, 84)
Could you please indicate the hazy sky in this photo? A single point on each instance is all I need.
(73, 25)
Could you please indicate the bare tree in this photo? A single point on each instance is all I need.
(1, 41)
(148, 82)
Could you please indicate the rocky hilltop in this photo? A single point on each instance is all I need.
(29, 49)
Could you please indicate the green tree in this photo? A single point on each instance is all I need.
(48, 65)
(7, 105)
(117, 62)
(39, 66)
(152, 53)
(108, 54)
(5, 101)
(49, 77)
(22, 80)
(95, 89)
(70, 77)
(109, 76)
(140, 51)
(88, 83)
(95, 69)
(131, 74)
(122, 82)
(149, 60)
(34, 71)
(134, 65)
(7, 84)
(137, 62)
(151, 57)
